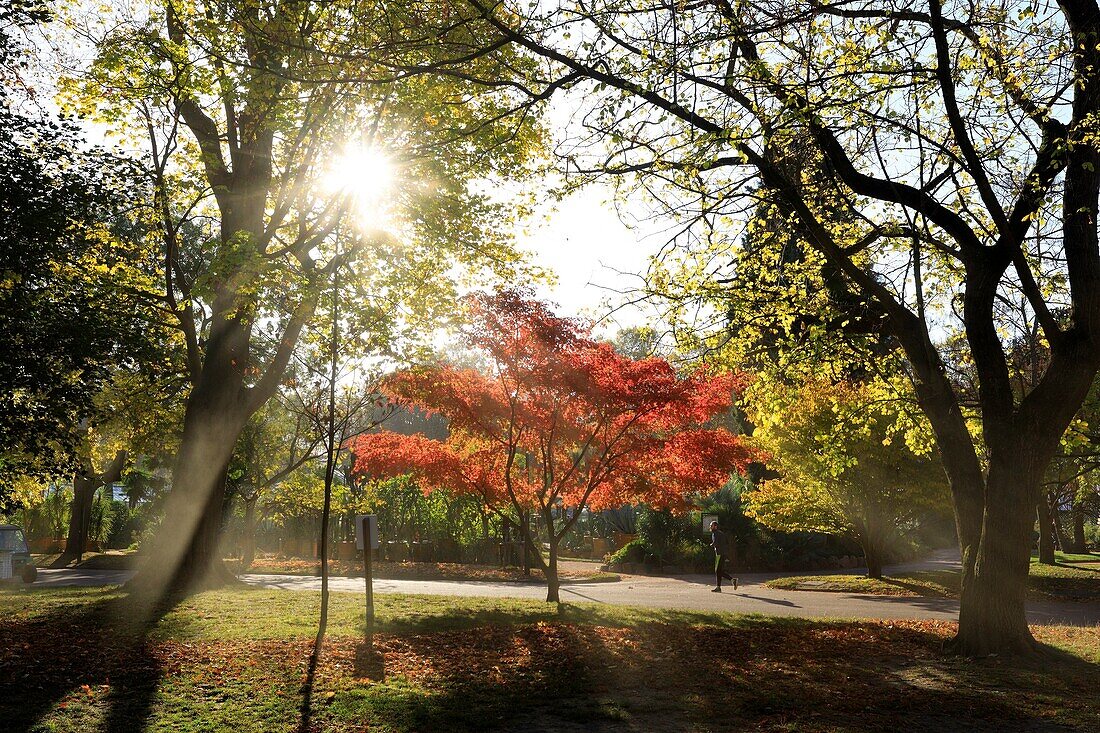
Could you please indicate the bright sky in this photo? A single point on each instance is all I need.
(583, 240)
(594, 255)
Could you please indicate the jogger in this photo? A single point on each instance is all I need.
(720, 544)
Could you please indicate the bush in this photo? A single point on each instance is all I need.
(633, 551)
(1092, 534)
(695, 555)
(663, 533)
(125, 526)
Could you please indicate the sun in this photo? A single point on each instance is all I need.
(367, 177)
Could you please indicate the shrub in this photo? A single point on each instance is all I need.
(633, 551)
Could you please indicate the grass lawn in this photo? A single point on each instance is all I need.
(109, 560)
(80, 660)
(1070, 557)
(1046, 583)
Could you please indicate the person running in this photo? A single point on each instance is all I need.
(720, 545)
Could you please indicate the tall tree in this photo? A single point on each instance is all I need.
(956, 140)
(560, 423)
(267, 128)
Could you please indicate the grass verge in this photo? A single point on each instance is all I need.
(423, 571)
(1046, 583)
(96, 660)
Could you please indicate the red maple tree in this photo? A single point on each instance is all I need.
(558, 420)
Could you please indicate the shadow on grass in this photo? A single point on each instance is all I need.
(758, 673)
(95, 649)
(1065, 582)
(400, 615)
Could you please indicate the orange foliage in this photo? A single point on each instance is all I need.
(562, 419)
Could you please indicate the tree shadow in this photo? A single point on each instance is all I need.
(756, 675)
(917, 588)
(97, 649)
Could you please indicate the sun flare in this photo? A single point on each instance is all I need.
(366, 175)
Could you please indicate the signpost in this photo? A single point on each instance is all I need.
(366, 539)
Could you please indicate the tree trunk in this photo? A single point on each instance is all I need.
(873, 554)
(872, 538)
(525, 534)
(992, 616)
(201, 563)
(553, 584)
(85, 484)
(1059, 531)
(248, 542)
(185, 549)
(80, 518)
(1046, 531)
(1079, 544)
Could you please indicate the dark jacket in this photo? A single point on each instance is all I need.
(719, 542)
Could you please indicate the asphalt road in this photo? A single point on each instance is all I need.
(681, 592)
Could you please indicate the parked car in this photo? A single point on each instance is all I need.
(13, 540)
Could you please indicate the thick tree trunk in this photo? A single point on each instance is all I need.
(80, 518)
(201, 563)
(873, 555)
(872, 538)
(1079, 543)
(1046, 531)
(85, 484)
(992, 616)
(185, 548)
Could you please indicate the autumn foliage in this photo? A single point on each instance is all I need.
(559, 420)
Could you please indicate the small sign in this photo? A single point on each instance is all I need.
(707, 519)
(371, 522)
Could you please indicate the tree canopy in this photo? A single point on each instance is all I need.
(69, 316)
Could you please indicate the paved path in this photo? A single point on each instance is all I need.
(681, 592)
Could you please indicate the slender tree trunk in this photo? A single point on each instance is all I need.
(1059, 531)
(992, 616)
(553, 584)
(1046, 531)
(248, 543)
(525, 534)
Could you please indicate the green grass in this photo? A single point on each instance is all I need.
(1069, 557)
(1046, 583)
(249, 613)
(910, 584)
(110, 560)
(233, 660)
